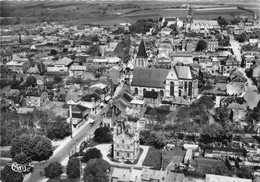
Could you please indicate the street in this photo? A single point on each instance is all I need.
(64, 152)
(236, 48)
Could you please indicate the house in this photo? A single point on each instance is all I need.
(235, 88)
(115, 75)
(63, 64)
(185, 59)
(113, 113)
(220, 178)
(198, 25)
(170, 20)
(16, 67)
(219, 153)
(35, 97)
(126, 145)
(138, 104)
(126, 175)
(238, 111)
(248, 60)
(176, 82)
(91, 101)
(212, 45)
(78, 113)
(25, 114)
(228, 65)
(151, 97)
(206, 65)
(77, 70)
(141, 58)
(188, 156)
(153, 175)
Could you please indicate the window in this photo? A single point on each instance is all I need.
(171, 88)
(153, 90)
(162, 93)
(117, 146)
(128, 155)
(123, 141)
(128, 147)
(117, 153)
(144, 90)
(136, 91)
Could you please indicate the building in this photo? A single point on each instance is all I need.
(141, 59)
(176, 82)
(16, 67)
(200, 25)
(219, 178)
(185, 59)
(125, 144)
(212, 45)
(77, 69)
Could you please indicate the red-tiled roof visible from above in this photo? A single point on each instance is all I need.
(141, 50)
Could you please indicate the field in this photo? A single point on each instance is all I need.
(182, 13)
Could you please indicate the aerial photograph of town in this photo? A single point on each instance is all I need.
(130, 91)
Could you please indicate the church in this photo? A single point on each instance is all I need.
(179, 81)
(199, 25)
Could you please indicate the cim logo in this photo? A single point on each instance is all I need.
(20, 168)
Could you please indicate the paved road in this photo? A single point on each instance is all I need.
(236, 48)
(64, 152)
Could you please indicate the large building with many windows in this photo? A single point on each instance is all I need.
(126, 144)
(178, 81)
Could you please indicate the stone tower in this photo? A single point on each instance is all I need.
(189, 19)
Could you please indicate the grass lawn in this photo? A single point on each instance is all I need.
(176, 156)
(5, 153)
(153, 158)
(203, 163)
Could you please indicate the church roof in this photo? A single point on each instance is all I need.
(148, 77)
(141, 50)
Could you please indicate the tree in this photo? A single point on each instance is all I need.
(165, 23)
(96, 171)
(30, 81)
(241, 38)
(53, 170)
(245, 172)
(57, 79)
(8, 175)
(92, 153)
(21, 144)
(102, 135)
(207, 101)
(37, 148)
(58, 129)
(21, 158)
(222, 21)
(43, 149)
(201, 45)
(73, 168)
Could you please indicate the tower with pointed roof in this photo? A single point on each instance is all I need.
(126, 43)
(141, 59)
(189, 19)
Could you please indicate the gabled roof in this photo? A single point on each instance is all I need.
(64, 61)
(141, 50)
(184, 72)
(235, 106)
(149, 77)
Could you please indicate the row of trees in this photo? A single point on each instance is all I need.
(96, 168)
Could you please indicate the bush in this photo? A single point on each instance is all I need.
(53, 170)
